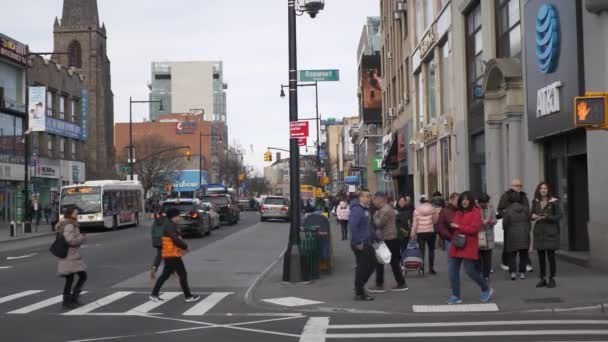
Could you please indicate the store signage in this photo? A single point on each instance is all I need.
(547, 38)
(14, 51)
(84, 114)
(185, 127)
(547, 101)
(591, 111)
(298, 129)
(63, 128)
(378, 164)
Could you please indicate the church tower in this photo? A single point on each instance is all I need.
(79, 34)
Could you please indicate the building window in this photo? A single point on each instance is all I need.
(445, 166)
(446, 96)
(508, 28)
(431, 95)
(49, 146)
(474, 51)
(429, 12)
(73, 150)
(62, 148)
(432, 165)
(419, 20)
(74, 111)
(74, 54)
(62, 107)
(419, 92)
(407, 80)
(420, 159)
(49, 103)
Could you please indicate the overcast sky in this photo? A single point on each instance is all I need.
(250, 36)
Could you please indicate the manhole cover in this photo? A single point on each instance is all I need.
(212, 260)
(547, 300)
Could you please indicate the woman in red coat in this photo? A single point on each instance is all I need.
(466, 225)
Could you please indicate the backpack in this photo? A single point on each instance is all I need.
(157, 233)
(411, 256)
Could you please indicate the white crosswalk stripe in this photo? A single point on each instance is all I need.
(98, 303)
(40, 305)
(206, 304)
(151, 305)
(18, 295)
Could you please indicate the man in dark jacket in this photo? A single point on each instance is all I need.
(173, 247)
(361, 238)
(503, 204)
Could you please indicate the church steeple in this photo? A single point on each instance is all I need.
(80, 12)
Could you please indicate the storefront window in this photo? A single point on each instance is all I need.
(62, 107)
(431, 95)
(508, 28)
(432, 165)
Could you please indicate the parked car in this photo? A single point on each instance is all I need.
(229, 211)
(248, 205)
(194, 220)
(275, 207)
(212, 211)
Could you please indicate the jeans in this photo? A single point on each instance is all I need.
(471, 270)
(429, 239)
(344, 226)
(485, 263)
(366, 261)
(173, 265)
(523, 261)
(69, 280)
(157, 257)
(395, 247)
(543, 267)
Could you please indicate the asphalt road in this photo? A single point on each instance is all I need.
(118, 309)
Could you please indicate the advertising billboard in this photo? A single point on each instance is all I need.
(37, 109)
(371, 88)
(187, 180)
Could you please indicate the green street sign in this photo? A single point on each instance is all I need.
(319, 75)
(378, 164)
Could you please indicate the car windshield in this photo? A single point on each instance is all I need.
(275, 201)
(182, 207)
(86, 200)
(217, 200)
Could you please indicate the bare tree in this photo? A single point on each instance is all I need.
(258, 185)
(155, 166)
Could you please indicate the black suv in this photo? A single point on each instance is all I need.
(193, 219)
(229, 211)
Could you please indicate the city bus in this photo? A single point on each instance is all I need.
(105, 203)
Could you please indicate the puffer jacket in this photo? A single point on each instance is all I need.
(343, 211)
(73, 262)
(385, 221)
(469, 224)
(516, 224)
(546, 231)
(424, 219)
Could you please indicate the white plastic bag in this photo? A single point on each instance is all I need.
(383, 254)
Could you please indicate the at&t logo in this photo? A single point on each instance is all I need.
(547, 38)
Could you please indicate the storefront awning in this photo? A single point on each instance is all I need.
(390, 160)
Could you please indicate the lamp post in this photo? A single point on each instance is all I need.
(292, 263)
(131, 102)
(200, 155)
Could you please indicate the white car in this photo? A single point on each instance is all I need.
(210, 209)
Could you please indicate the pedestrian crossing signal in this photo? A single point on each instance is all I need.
(188, 155)
(591, 111)
(267, 156)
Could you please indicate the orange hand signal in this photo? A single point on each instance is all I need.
(582, 110)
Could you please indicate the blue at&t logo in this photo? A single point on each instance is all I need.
(547, 38)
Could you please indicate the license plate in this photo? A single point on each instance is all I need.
(91, 217)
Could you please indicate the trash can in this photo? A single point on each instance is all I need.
(310, 250)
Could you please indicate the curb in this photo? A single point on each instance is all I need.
(26, 237)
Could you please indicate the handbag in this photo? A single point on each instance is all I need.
(60, 246)
(483, 239)
(383, 254)
(459, 240)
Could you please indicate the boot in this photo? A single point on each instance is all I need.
(542, 282)
(552, 283)
(67, 303)
(75, 298)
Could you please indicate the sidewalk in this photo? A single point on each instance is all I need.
(43, 229)
(577, 287)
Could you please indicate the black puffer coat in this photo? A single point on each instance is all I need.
(546, 231)
(516, 224)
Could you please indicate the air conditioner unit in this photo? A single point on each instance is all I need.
(401, 6)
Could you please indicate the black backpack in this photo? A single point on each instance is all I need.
(60, 246)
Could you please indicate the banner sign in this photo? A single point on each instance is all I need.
(302, 141)
(298, 129)
(84, 114)
(63, 128)
(37, 109)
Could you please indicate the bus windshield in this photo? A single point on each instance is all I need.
(86, 199)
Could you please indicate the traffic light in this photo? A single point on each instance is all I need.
(242, 177)
(267, 156)
(188, 155)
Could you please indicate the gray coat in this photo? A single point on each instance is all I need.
(516, 223)
(73, 262)
(546, 231)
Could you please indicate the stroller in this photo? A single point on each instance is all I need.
(411, 258)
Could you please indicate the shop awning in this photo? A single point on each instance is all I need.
(390, 160)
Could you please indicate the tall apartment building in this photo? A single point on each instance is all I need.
(195, 87)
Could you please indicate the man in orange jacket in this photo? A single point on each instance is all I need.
(173, 247)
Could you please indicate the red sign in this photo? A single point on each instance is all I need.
(302, 141)
(298, 129)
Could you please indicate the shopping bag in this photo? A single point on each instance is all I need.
(383, 254)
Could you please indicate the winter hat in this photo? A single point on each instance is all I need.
(172, 212)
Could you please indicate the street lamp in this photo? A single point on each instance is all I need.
(131, 102)
(200, 154)
(292, 262)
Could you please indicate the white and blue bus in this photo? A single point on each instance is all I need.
(105, 203)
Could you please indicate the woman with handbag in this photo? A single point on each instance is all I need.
(546, 213)
(486, 235)
(72, 264)
(464, 248)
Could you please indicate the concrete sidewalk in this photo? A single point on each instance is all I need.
(42, 229)
(577, 287)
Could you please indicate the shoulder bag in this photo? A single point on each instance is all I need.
(60, 246)
(459, 240)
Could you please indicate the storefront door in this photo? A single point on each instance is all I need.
(578, 195)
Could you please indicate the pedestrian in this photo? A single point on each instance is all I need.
(503, 204)
(516, 225)
(173, 247)
(47, 212)
(464, 249)
(546, 213)
(445, 219)
(403, 221)
(361, 238)
(384, 219)
(343, 212)
(486, 235)
(54, 215)
(423, 230)
(72, 264)
(157, 242)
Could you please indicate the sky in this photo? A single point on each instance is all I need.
(249, 36)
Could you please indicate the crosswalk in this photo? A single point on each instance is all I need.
(118, 303)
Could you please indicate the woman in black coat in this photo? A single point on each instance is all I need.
(546, 213)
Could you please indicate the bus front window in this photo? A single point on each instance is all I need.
(87, 202)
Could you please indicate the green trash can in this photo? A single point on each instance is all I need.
(311, 250)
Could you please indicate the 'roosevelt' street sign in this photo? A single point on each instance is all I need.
(319, 75)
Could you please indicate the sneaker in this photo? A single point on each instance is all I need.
(454, 300)
(551, 284)
(504, 267)
(192, 298)
(156, 299)
(513, 276)
(364, 297)
(522, 276)
(486, 295)
(529, 268)
(377, 289)
(399, 288)
(542, 283)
